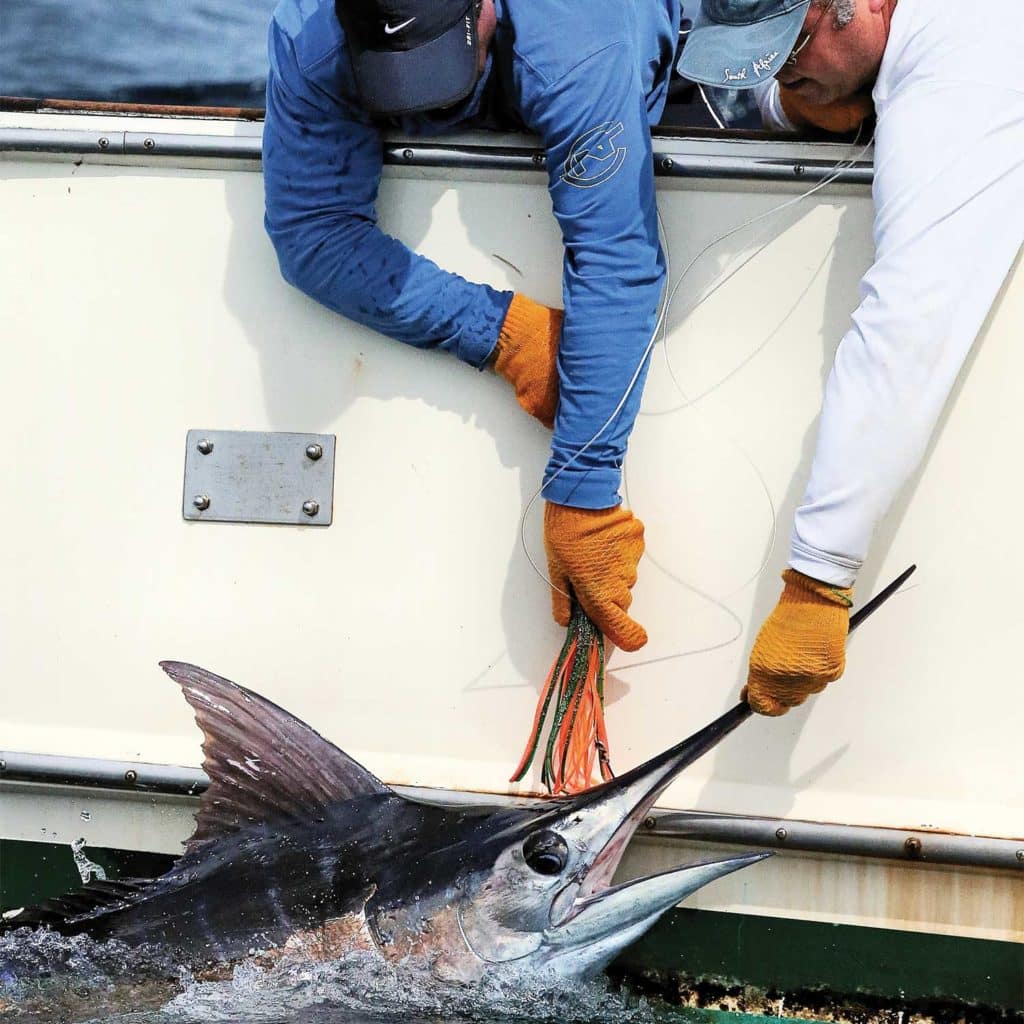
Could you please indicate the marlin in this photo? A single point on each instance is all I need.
(300, 852)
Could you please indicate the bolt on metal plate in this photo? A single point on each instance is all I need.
(243, 476)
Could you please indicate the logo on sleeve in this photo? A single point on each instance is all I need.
(594, 157)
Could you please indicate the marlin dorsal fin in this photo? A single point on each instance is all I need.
(263, 763)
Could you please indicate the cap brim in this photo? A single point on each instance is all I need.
(739, 56)
(436, 74)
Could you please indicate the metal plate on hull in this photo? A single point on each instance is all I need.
(242, 476)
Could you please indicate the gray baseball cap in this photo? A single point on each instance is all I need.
(738, 43)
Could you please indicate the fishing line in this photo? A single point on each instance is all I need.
(668, 297)
(721, 283)
(710, 107)
(688, 403)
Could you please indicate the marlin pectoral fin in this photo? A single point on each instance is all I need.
(263, 763)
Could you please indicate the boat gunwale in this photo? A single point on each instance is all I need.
(919, 846)
(678, 153)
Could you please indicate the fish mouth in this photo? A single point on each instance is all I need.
(629, 909)
(590, 904)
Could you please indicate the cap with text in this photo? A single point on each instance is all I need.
(739, 43)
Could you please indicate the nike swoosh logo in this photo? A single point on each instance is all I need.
(390, 30)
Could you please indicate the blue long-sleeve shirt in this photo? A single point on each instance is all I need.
(589, 79)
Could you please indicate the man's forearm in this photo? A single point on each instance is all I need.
(949, 223)
(601, 384)
(601, 179)
(355, 269)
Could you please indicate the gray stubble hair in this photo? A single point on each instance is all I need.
(842, 10)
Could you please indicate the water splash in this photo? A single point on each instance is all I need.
(86, 868)
(49, 977)
(81, 980)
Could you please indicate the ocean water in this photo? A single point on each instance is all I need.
(210, 52)
(47, 978)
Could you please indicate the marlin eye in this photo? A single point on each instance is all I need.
(546, 852)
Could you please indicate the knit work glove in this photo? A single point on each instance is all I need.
(526, 353)
(840, 116)
(593, 553)
(801, 647)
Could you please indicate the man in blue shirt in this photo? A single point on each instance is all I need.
(590, 81)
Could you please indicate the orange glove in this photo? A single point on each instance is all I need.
(525, 356)
(840, 116)
(801, 647)
(593, 553)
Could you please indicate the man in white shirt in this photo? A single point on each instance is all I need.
(948, 94)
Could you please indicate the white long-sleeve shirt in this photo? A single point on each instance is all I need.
(949, 223)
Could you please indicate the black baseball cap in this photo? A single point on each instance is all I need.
(411, 55)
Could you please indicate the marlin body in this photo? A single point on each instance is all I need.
(300, 852)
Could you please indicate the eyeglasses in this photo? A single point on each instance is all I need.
(805, 37)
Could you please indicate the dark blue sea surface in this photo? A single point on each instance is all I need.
(209, 52)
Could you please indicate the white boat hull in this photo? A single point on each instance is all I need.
(142, 299)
